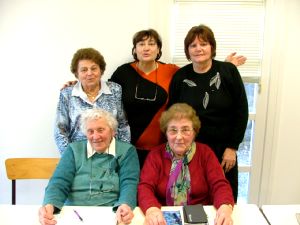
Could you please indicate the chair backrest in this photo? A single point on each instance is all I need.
(29, 168)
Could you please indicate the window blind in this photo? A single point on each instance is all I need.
(238, 27)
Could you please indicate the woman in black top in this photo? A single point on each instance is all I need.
(216, 91)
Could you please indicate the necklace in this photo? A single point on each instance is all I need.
(92, 96)
(138, 83)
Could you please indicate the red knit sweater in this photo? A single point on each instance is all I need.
(208, 184)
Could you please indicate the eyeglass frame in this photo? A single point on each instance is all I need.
(182, 131)
(145, 99)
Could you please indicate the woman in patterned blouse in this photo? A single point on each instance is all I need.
(90, 91)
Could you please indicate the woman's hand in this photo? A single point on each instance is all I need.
(69, 83)
(124, 214)
(237, 60)
(46, 216)
(223, 216)
(154, 216)
(229, 159)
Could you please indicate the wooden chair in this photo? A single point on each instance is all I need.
(29, 168)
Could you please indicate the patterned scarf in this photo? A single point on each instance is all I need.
(178, 187)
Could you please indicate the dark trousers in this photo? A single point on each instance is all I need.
(142, 154)
(231, 175)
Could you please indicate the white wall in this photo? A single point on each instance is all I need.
(39, 37)
(281, 162)
(37, 41)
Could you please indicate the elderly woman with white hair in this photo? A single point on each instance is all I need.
(99, 171)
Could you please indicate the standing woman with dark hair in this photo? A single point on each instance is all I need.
(145, 84)
(216, 91)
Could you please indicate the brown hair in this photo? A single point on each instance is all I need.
(179, 111)
(203, 32)
(144, 35)
(87, 54)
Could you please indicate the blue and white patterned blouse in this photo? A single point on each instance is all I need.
(72, 101)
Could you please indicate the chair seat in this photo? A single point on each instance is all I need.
(29, 168)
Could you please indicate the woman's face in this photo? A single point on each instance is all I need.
(99, 134)
(180, 135)
(88, 73)
(200, 51)
(147, 50)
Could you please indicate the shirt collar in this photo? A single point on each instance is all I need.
(110, 150)
(78, 91)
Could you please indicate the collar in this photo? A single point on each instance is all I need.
(78, 91)
(111, 150)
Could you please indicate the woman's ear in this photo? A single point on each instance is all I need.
(113, 134)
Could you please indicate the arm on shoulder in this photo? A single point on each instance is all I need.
(69, 83)
(237, 60)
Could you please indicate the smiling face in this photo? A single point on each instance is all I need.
(99, 134)
(200, 51)
(147, 50)
(180, 135)
(196, 38)
(88, 73)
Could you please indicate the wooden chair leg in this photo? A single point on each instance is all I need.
(13, 194)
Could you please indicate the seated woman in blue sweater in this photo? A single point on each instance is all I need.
(100, 171)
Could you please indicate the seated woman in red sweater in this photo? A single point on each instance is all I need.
(182, 171)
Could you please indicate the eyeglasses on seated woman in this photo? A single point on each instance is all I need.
(182, 171)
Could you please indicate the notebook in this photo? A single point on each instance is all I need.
(194, 214)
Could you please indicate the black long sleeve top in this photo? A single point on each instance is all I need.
(219, 98)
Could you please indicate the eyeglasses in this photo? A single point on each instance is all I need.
(145, 99)
(184, 131)
(137, 86)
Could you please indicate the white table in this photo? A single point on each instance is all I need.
(244, 214)
(28, 215)
(281, 214)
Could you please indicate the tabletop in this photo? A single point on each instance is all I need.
(243, 214)
(281, 214)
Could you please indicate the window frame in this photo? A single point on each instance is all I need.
(254, 181)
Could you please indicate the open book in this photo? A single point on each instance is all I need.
(173, 217)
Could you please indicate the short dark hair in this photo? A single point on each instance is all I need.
(143, 35)
(89, 54)
(203, 32)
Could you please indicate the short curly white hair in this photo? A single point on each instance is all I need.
(96, 113)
